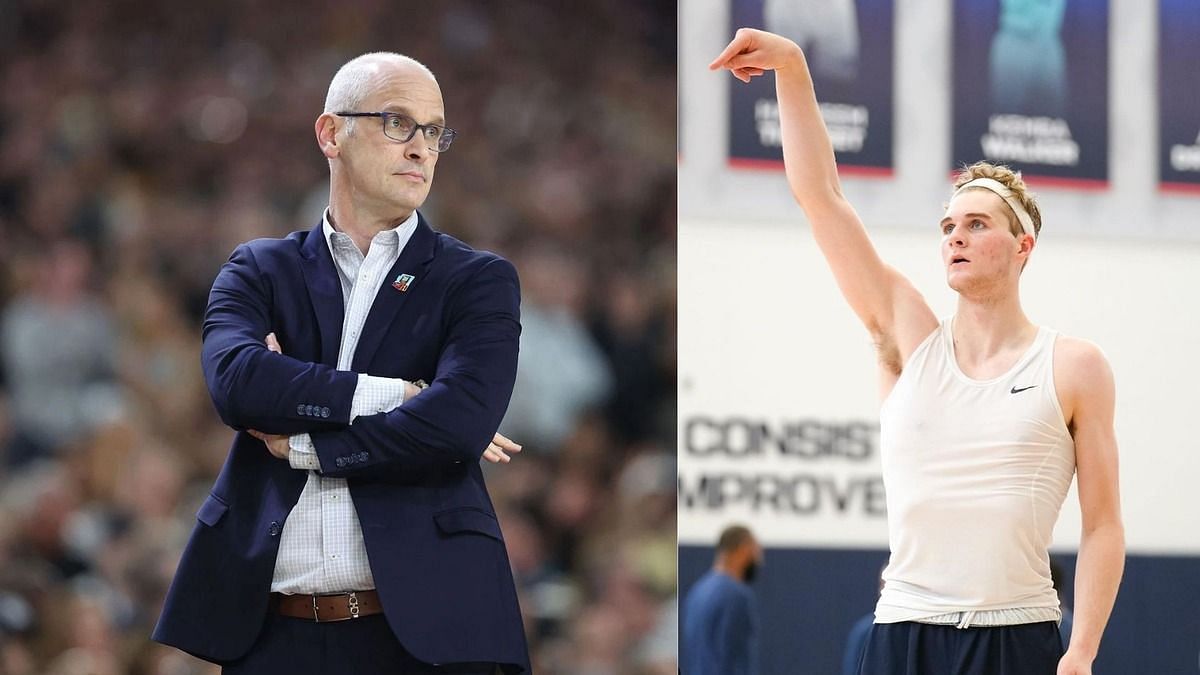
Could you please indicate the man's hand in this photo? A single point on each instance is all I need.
(1074, 664)
(278, 445)
(753, 52)
(497, 450)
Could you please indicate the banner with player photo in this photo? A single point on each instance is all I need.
(849, 48)
(1030, 88)
(1179, 95)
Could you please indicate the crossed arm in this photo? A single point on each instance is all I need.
(255, 386)
(282, 445)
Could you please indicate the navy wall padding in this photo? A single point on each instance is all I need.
(809, 599)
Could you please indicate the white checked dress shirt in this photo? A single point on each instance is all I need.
(321, 549)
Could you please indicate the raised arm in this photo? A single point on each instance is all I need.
(1089, 397)
(454, 419)
(892, 310)
(251, 387)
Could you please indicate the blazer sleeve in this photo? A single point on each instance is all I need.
(252, 387)
(455, 418)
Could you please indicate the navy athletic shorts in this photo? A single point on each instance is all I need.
(910, 648)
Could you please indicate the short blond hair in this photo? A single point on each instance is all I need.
(1011, 180)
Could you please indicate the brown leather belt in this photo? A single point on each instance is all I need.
(322, 608)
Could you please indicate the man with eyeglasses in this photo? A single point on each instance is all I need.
(362, 538)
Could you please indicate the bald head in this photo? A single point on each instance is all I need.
(377, 180)
(355, 80)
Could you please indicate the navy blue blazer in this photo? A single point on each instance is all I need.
(434, 545)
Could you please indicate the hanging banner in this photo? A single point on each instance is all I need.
(1179, 95)
(1030, 88)
(849, 48)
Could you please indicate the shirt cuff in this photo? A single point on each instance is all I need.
(374, 395)
(302, 453)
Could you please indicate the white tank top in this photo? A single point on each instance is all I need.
(975, 473)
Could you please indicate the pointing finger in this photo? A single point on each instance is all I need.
(736, 46)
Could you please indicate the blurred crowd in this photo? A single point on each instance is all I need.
(141, 142)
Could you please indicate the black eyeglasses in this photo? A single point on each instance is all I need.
(401, 127)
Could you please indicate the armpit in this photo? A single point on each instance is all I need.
(888, 353)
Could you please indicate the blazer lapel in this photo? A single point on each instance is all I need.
(325, 292)
(414, 262)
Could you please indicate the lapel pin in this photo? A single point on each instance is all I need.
(403, 281)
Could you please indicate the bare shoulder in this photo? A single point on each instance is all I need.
(1081, 361)
(1083, 378)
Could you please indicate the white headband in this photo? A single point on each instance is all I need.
(1004, 193)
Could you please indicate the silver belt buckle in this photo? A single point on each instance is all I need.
(353, 600)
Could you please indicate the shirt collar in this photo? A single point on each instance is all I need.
(403, 231)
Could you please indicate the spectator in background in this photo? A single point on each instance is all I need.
(59, 351)
(856, 640)
(571, 376)
(720, 614)
(856, 643)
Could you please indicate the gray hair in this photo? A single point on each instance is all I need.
(354, 80)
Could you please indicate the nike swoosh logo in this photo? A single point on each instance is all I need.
(1014, 390)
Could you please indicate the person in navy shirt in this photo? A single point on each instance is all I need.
(720, 614)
